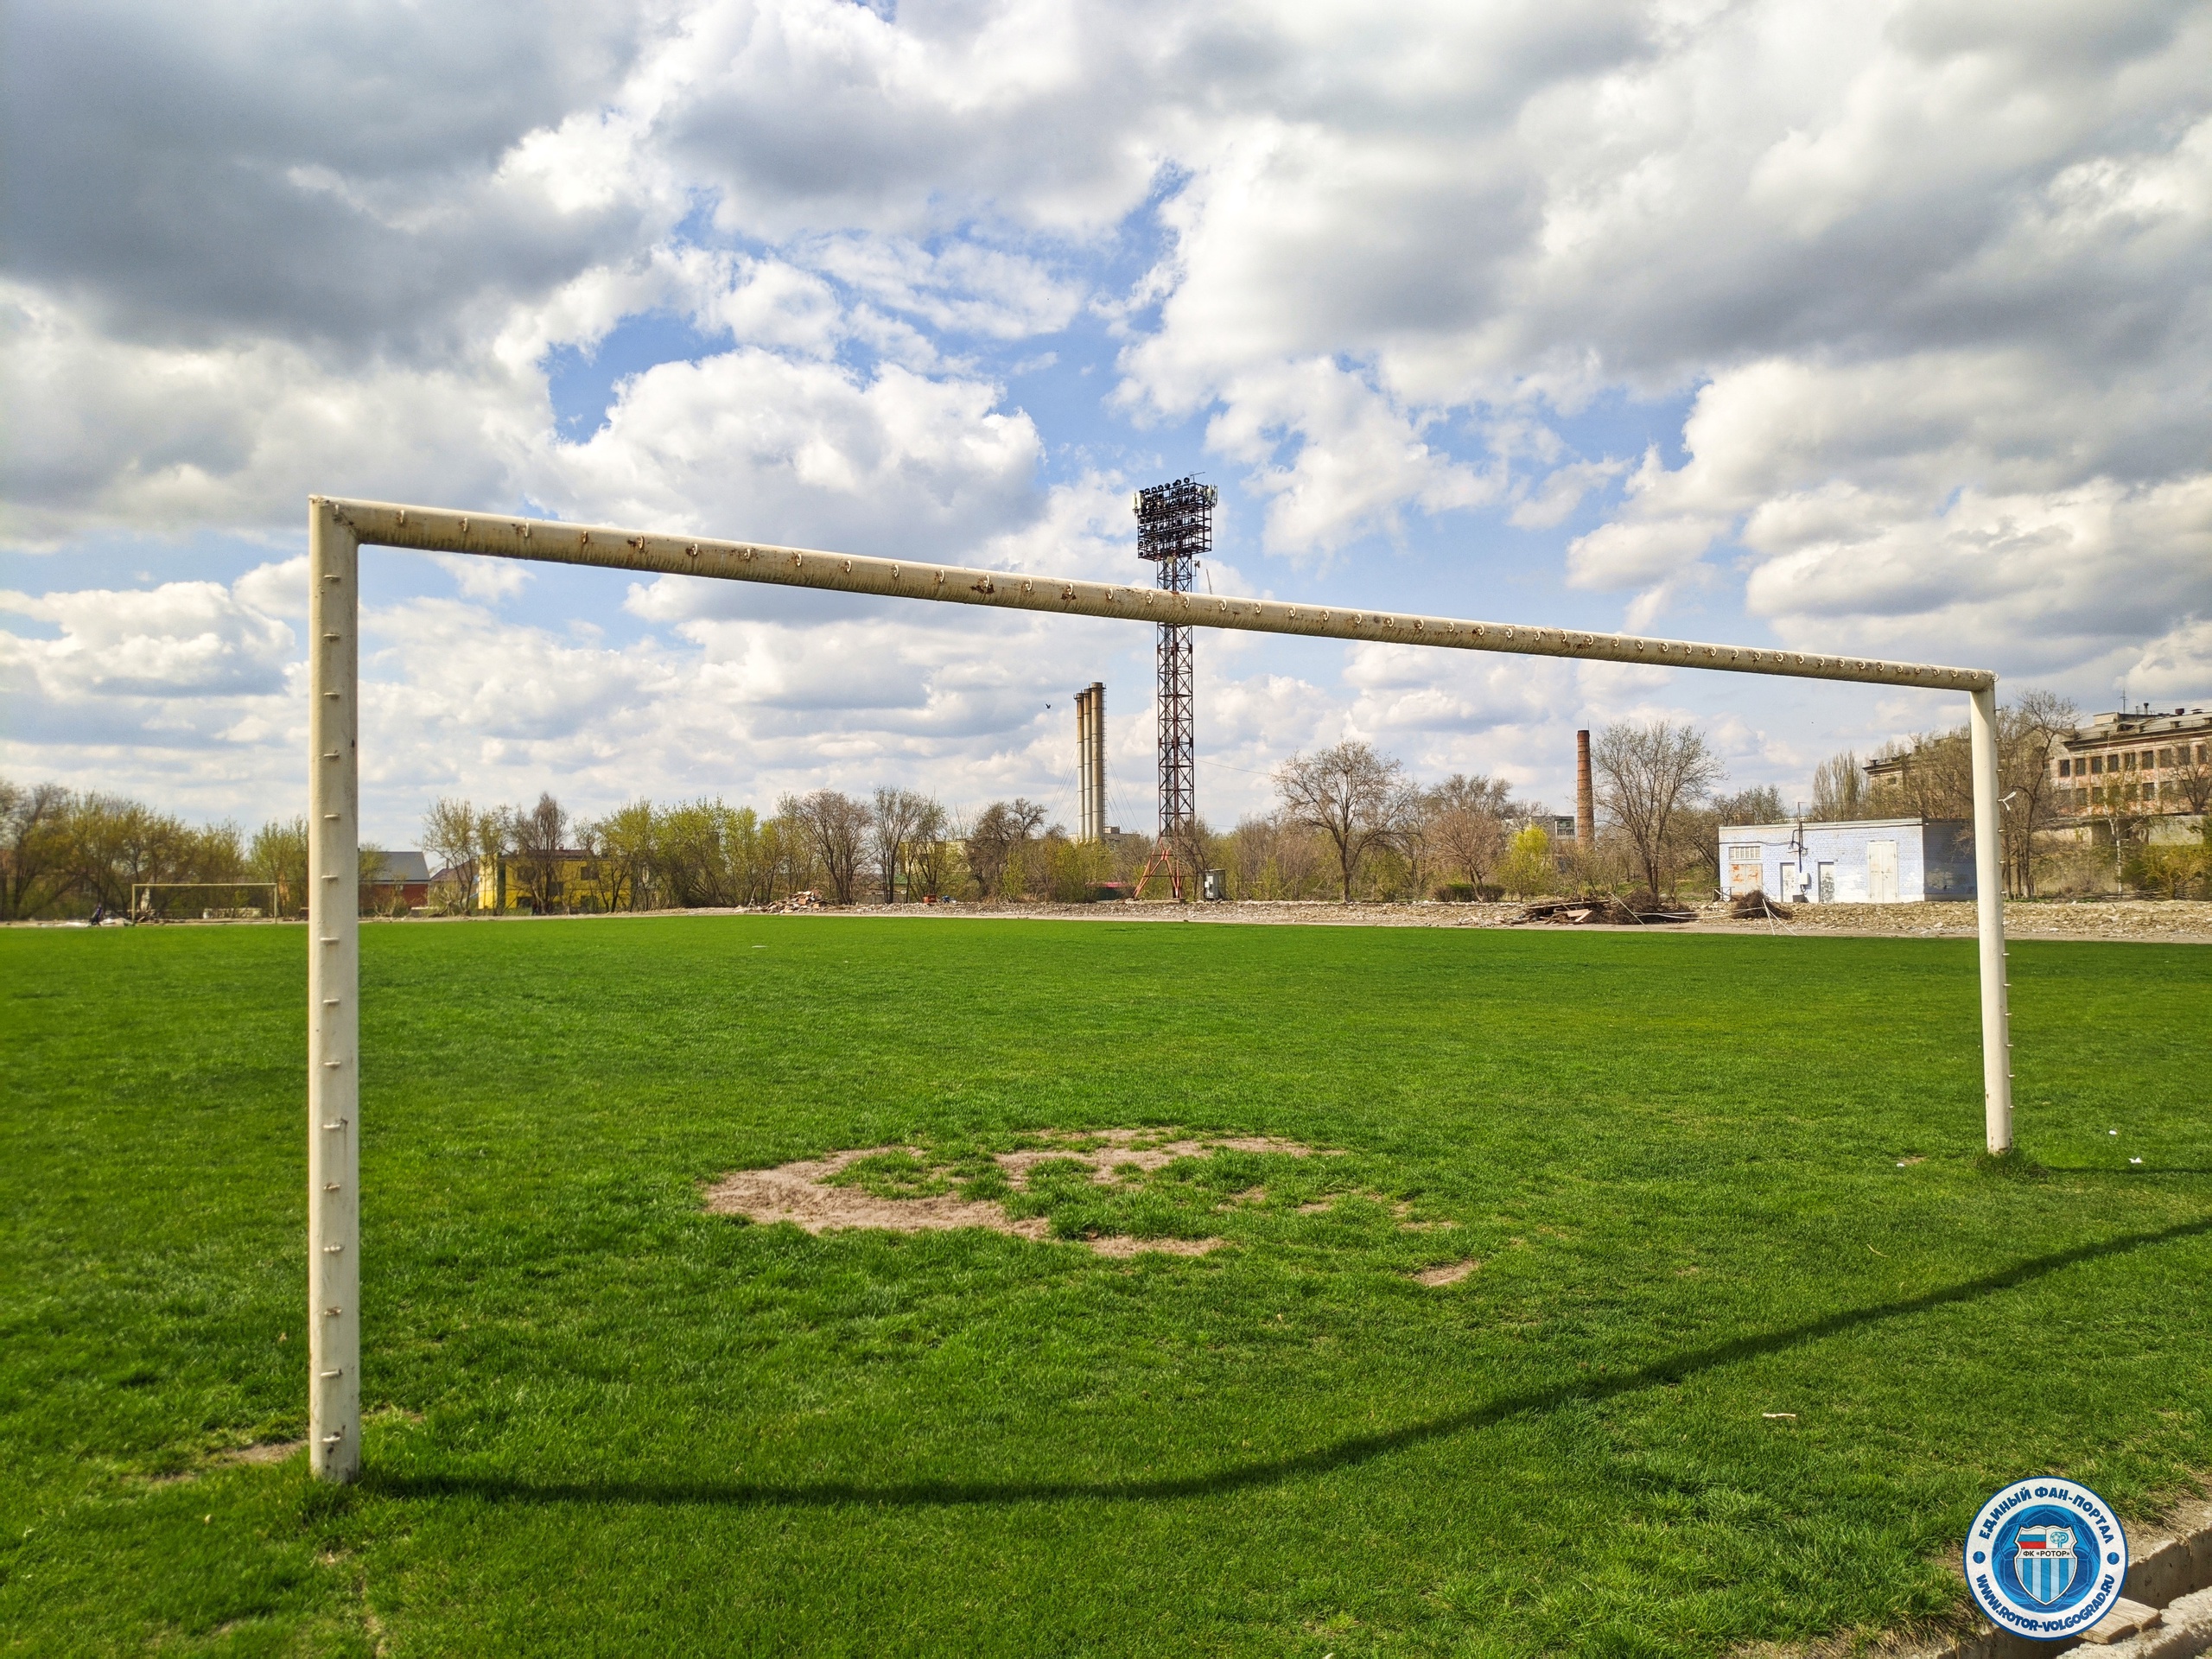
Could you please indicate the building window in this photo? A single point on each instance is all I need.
(2165, 757)
(2065, 768)
(2082, 799)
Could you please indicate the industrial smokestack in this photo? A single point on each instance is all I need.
(1090, 761)
(1097, 824)
(1586, 803)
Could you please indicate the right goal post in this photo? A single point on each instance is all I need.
(338, 528)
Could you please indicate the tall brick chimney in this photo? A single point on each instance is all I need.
(1586, 805)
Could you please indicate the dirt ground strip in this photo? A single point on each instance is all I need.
(2161, 921)
(803, 1193)
(1451, 1272)
(2157, 921)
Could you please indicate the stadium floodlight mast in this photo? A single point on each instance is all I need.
(338, 528)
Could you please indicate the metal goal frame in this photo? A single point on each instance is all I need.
(337, 529)
(142, 907)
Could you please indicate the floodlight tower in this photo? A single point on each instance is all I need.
(1174, 527)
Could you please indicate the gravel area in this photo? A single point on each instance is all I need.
(2162, 921)
(2176, 921)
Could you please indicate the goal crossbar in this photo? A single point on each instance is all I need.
(338, 528)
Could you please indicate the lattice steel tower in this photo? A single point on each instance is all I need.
(1174, 527)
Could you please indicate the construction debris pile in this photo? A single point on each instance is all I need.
(1756, 906)
(1642, 911)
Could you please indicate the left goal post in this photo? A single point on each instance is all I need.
(333, 986)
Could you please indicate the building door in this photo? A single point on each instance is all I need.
(1788, 883)
(1826, 887)
(1882, 872)
(1744, 874)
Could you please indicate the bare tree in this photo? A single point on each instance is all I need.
(2189, 778)
(452, 838)
(1274, 857)
(1934, 778)
(929, 852)
(540, 837)
(2028, 732)
(1647, 772)
(1694, 838)
(789, 850)
(836, 828)
(897, 812)
(1838, 788)
(1470, 820)
(995, 840)
(1350, 794)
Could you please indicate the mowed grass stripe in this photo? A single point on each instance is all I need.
(603, 1420)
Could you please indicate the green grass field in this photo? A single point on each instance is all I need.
(605, 1421)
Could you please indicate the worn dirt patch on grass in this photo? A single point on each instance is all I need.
(808, 1194)
(1119, 1245)
(267, 1451)
(800, 1193)
(1450, 1274)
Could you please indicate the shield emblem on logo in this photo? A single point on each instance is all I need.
(2043, 1558)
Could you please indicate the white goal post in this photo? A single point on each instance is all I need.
(337, 529)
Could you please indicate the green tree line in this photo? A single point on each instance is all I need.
(66, 854)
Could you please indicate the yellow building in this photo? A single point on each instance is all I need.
(555, 883)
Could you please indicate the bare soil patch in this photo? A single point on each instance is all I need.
(268, 1451)
(809, 1194)
(1449, 1272)
(1119, 1245)
(799, 1192)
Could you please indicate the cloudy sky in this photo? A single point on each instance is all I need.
(1879, 327)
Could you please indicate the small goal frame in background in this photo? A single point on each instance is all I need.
(338, 528)
(143, 909)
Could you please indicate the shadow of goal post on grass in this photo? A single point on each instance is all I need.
(337, 530)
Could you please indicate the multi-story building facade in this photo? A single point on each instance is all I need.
(2141, 763)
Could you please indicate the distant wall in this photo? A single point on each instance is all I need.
(1881, 860)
